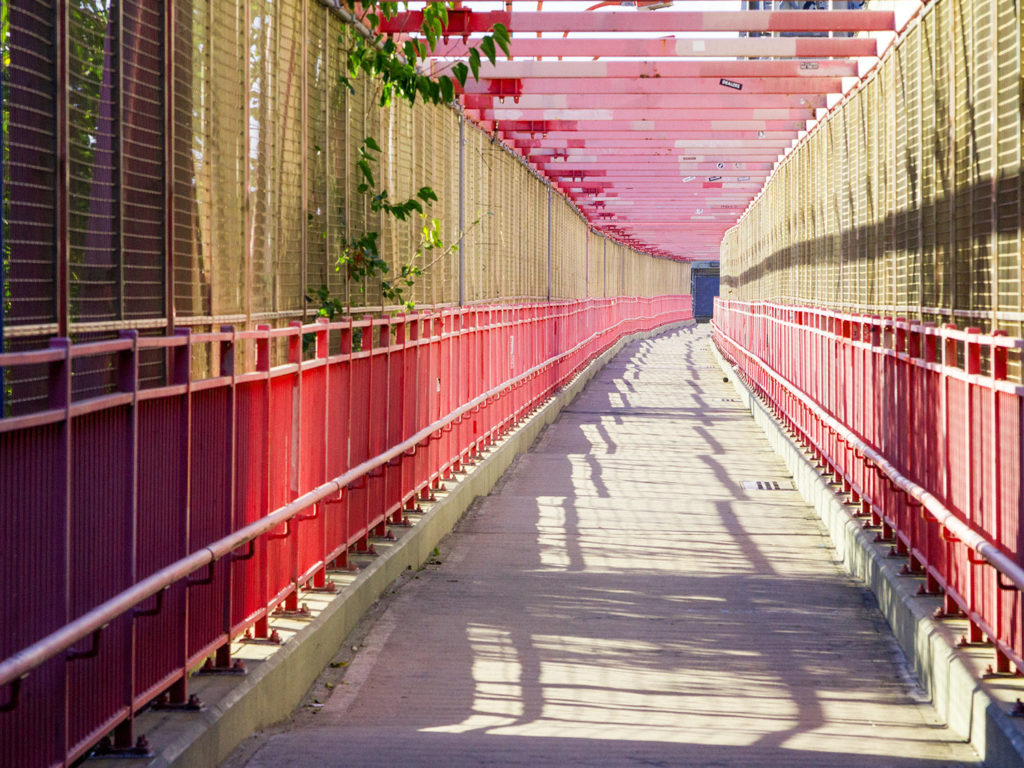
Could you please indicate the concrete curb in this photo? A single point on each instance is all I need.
(977, 710)
(273, 688)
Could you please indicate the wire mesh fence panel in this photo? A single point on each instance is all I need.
(142, 148)
(917, 176)
(963, 154)
(226, 193)
(982, 103)
(318, 94)
(30, 166)
(942, 190)
(1007, 171)
(926, 107)
(93, 160)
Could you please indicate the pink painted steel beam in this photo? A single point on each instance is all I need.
(775, 47)
(658, 85)
(672, 213)
(659, 177)
(683, 192)
(656, 101)
(699, 187)
(728, 202)
(684, 140)
(660, 231)
(681, 219)
(665, 167)
(639, 70)
(596, 153)
(671, 206)
(612, 112)
(664, 21)
(674, 161)
(647, 127)
(737, 162)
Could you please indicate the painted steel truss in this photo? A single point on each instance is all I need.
(660, 123)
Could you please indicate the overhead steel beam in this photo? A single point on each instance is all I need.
(655, 101)
(645, 127)
(672, 161)
(774, 47)
(608, 154)
(612, 112)
(658, 85)
(477, 22)
(641, 70)
(572, 141)
(665, 169)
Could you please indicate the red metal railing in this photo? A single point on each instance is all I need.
(152, 526)
(923, 430)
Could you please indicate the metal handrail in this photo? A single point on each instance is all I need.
(943, 515)
(24, 661)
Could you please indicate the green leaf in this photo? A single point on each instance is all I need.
(502, 38)
(364, 167)
(371, 142)
(461, 72)
(487, 46)
(474, 62)
(444, 83)
(426, 194)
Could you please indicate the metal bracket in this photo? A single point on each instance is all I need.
(302, 612)
(330, 588)
(164, 703)
(208, 579)
(313, 516)
(235, 558)
(1011, 587)
(285, 535)
(237, 668)
(138, 612)
(73, 655)
(106, 750)
(12, 703)
(976, 560)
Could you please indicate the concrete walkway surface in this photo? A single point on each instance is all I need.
(622, 599)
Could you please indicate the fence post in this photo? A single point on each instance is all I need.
(998, 372)
(462, 208)
(972, 365)
(549, 243)
(62, 180)
(3, 143)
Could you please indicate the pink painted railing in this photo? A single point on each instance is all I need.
(923, 430)
(144, 529)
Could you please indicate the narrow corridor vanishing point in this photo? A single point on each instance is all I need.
(620, 598)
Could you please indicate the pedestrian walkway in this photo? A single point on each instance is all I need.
(621, 598)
